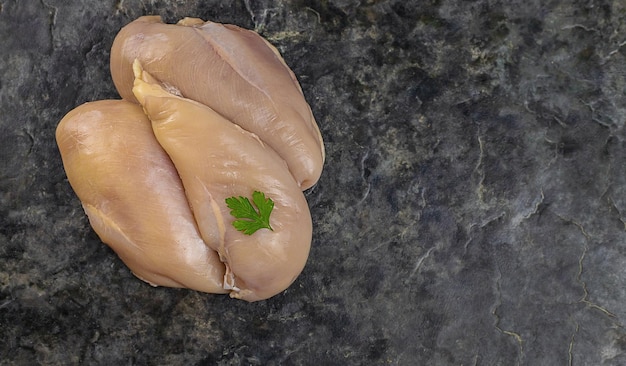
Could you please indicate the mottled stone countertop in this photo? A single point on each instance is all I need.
(472, 209)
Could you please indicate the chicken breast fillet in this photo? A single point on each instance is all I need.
(217, 159)
(133, 196)
(232, 70)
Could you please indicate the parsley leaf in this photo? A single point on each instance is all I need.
(249, 220)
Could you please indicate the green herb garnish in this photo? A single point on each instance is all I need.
(249, 219)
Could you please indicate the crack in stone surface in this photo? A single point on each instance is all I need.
(606, 58)
(497, 304)
(579, 26)
(585, 297)
(479, 169)
(570, 348)
(594, 113)
(259, 20)
(119, 7)
(619, 213)
(480, 225)
(535, 209)
(419, 262)
(365, 179)
(52, 21)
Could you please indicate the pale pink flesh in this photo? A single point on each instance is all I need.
(232, 70)
(217, 159)
(133, 196)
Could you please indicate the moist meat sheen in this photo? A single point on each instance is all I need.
(210, 113)
(232, 70)
(217, 159)
(133, 196)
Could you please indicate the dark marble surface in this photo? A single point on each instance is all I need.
(472, 210)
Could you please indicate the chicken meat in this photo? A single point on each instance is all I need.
(133, 196)
(235, 72)
(217, 159)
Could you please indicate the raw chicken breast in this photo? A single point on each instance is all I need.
(217, 159)
(232, 70)
(133, 196)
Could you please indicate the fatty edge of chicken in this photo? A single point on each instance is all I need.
(133, 196)
(217, 159)
(234, 71)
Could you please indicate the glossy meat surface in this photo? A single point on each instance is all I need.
(217, 159)
(133, 196)
(232, 70)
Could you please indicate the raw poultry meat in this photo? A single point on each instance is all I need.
(217, 159)
(133, 196)
(232, 70)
